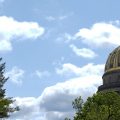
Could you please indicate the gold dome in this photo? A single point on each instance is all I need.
(113, 61)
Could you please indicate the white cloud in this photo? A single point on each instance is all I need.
(62, 17)
(29, 109)
(65, 38)
(99, 34)
(87, 70)
(52, 18)
(41, 74)
(16, 75)
(11, 29)
(55, 102)
(83, 52)
(58, 98)
(5, 45)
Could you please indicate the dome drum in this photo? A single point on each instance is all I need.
(111, 80)
(115, 87)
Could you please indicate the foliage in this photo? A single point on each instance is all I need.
(67, 118)
(5, 102)
(101, 106)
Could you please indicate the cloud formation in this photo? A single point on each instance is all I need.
(58, 98)
(100, 34)
(87, 70)
(83, 52)
(15, 75)
(41, 74)
(10, 29)
(55, 101)
(29, 108)
(52, 18)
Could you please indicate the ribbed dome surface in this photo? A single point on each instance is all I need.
(113, 61)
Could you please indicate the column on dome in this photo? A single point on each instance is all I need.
(118, 59)
(107, 66)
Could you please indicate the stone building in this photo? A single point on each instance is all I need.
(111, 76)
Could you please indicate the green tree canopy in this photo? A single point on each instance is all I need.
(5, 102)
(101, 106)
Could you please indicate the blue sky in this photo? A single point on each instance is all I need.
(55, 50)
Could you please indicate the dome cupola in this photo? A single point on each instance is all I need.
(113, 61)
(111, 76)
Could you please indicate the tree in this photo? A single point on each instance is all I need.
(101, 106)
(67, 118)
(5, 102)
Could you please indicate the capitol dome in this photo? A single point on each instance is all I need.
(113, 61)
(111, 76)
